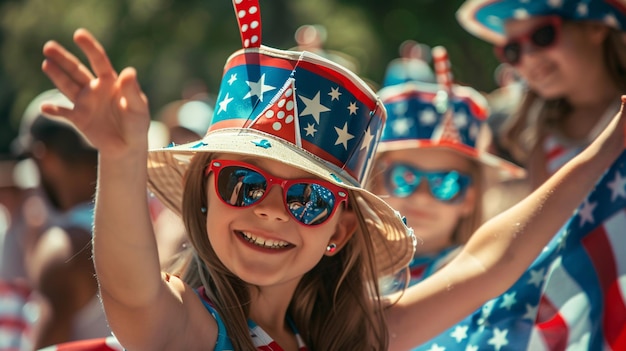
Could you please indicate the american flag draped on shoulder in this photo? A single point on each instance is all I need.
(572, 297)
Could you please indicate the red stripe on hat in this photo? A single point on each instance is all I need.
(618, 4)
(601, 251)
(14, 323)
(353, 84)
(229, 123)
(551, 325)
(243, 58)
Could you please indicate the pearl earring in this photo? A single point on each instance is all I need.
(203, 210)
(331, 247)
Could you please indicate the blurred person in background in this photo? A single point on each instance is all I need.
(57, 258)
(429, 166)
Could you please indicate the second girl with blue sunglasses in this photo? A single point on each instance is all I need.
(430, 170)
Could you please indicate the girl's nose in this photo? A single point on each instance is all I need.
(272, 207)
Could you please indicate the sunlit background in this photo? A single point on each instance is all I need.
(179, 47)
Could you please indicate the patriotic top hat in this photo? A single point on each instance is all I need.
(485, 18)
(442, 115)
(302, 110)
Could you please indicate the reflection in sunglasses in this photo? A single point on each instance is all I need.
(402, 180)
(310, 201)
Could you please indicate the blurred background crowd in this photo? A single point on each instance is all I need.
(178, 49)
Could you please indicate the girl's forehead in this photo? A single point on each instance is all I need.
(431, 158)
(273, 167)
(515, 27)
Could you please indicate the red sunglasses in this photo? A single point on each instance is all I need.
(309, 201)
(542, 36)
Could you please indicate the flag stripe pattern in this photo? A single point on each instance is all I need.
(573, 295)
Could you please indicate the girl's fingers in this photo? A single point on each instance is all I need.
(55, 110)
(66, 85)
(68, 62)
(135, 99)
(95, 53)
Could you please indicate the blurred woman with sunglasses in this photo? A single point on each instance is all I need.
(572, 57)
(428, 165)
(294, 263)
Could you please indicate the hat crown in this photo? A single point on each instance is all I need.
(299, 98)
(486, 18)
(434, 114)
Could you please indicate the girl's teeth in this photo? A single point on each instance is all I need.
(269, 244)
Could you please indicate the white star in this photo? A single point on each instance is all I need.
(353, 107)
(400, 108)
(618, 187)
(555, 3)
(531, 312)
(471, 348)
(520, 14)
(428, 117)
(401, 126)
(473, 131)
(343, 136)
(258, 89)
(313, 107)
(460, 119)
(562, 240)
(508, 300)
(224, 103)
(334, 94)
(459, 333)
(536, 277)
(310, 130)
(582, 9)
(232, 79)
(586, 212)
(499, 339)
(367, 140)
(436, 347)
(611, 21)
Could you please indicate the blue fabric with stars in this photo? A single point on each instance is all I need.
(493, 14)
(332, 121)
(572, 273)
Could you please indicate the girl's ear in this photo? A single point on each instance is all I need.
(345, 228)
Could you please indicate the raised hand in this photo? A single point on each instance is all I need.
(109, 108)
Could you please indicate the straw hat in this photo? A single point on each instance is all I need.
(302, 110)
(485, 18)
(443, 115)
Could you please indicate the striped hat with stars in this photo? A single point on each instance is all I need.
(442, 115)
(304, 111)
(485, 18)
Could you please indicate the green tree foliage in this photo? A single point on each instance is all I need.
(175, 43)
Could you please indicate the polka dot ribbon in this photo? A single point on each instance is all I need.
(442, 68)
(446, 130)
(249, 20)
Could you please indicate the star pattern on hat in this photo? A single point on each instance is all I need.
(258, 88)
(279, 117)
(313, 107)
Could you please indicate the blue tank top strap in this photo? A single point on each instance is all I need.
(223, 341)
(259, 337)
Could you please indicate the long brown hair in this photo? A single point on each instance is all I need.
(522, 132)
(336, 306)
